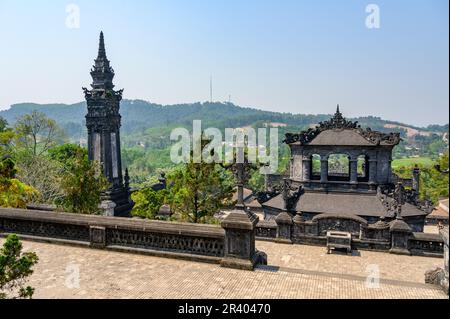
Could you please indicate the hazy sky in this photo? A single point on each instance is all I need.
(293, 56)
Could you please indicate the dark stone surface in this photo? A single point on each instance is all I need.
(103, 123)
(240, 231)
(400, 234)
(189, 241)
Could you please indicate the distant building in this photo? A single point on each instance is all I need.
(439, 214)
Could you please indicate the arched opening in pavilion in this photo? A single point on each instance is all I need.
(363, 168)
(339, 168)
(315, 167)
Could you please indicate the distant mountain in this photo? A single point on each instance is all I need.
(139, 115)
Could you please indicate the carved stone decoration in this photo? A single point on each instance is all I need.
(399, 199)
(434, 276)
(339, 122)
(291, 194)
(97, 237)
(107, 206)
(240, 226)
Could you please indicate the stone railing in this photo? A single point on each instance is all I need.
(179, 240)
(424, 244)
(266, 230)
(389, 236)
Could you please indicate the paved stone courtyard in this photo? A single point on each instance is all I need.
(294, 271)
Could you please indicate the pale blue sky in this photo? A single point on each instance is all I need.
(293, 56)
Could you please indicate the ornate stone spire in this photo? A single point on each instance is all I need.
(101, 47)
(102, 73)
(103, 123)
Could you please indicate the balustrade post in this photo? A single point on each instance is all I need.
(284, 228)
(353, 170)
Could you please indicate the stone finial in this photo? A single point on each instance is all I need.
(107, 206)
(127, 179)
(399, 200)
(163, 180)
(101, 47)
(240, 224)
(416, 179)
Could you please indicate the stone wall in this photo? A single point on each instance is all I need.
(380, 236)
(186, 241)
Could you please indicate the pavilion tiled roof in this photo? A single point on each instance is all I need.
(343, 203)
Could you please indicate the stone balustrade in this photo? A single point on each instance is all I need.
(180, 240)
(380, 236)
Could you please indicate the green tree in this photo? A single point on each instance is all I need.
(6, 137)
(3, 124)
(148, 202)
(15, 267)
(36, 133)
(33, 135)
(81, 180)
(433, 184)
(198, 191)
(13, 193)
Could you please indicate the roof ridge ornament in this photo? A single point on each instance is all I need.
(102, 74)
(338, 121)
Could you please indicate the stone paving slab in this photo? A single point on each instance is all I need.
(360, 263)
(104, 274)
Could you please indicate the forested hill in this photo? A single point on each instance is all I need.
(139, 115)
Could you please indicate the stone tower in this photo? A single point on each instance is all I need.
(103, 125)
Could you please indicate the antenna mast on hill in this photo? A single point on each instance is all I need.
(210, 89)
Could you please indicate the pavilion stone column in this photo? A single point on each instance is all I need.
(323, 169)
(353, 170)
(307, 162)
(372, 171)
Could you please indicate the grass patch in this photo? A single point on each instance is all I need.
(411, 161)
